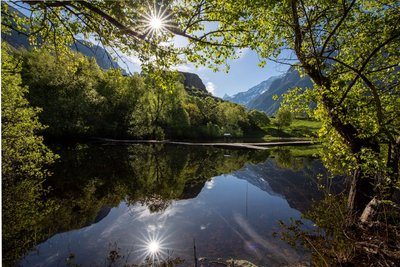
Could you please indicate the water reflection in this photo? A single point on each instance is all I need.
(91, 177)
(152, 201)
(153, 247)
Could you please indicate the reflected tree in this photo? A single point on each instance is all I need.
(286, 160)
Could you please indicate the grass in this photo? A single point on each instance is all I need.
(299, 128)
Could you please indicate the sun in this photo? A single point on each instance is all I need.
(156, 23)
(156, 20)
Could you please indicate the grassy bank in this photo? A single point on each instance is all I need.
(299, 128)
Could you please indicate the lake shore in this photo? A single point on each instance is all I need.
(243, 145)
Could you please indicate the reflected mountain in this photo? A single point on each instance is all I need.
(296, 179)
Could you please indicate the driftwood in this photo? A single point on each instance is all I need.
(369, 211)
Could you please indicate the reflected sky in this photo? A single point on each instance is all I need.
(230, 218)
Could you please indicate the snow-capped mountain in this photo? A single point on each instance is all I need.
(245, 97)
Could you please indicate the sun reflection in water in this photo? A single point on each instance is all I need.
(154, 248)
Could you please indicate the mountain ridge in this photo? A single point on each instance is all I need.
(245, 97)
(261, 96)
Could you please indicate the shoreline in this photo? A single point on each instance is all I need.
(256, 146)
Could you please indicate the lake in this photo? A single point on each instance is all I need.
(120, 204)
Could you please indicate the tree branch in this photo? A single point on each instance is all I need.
(112, 20)
(346, 12)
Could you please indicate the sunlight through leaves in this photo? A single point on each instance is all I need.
(156, 20)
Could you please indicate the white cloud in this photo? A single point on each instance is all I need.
(189, 67)
(210, 184)
(184, 67)
(210, 87)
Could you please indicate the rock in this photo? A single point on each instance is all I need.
(240, 263)
(192, 80)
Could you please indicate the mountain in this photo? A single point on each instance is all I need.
(289, 80)
(244, 98)
(195, 86)
(298, 186)
(103, 58)
(260, 97)
(192, 81)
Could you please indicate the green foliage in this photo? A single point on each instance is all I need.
(23, 152)
(283, 118)
(258, 118)
(66, 94)
(210, 118)
(81, 100)
(24, 157)
(116, 24)
(118, 104)
(328, 242)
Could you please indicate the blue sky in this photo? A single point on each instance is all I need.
(244, 73)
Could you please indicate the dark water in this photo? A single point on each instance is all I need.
(123, 204)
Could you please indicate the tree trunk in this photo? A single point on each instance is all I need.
(362, 187)
(393, 164)
(394, 160)
(361, 192)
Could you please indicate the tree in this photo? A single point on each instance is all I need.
(23, 152)
(67, 95)
(356, 77)
(335, 42)
(119, 101)
(123, 25)
(258, 118)
(283, 118)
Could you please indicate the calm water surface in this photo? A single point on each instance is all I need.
(141, 201)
